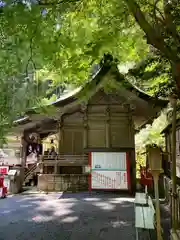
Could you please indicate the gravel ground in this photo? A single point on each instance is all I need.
(79, 216)
(72, 216)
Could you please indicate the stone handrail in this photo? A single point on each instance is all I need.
(30, 170)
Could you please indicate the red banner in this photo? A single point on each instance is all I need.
(4, 170)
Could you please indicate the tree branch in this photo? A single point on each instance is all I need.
(55, 3)
(156, 9)
(153, 37)
(169, 22)
(30, 60)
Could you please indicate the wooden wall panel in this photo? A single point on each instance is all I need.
(73, 119)
(78, 142)
(119, 108)
(121, 128)
(99, 98)
(121, 137)
(109, 126)
(67, 145)
(96, 138)
(100, 109)
(72, 142)
(104, 123)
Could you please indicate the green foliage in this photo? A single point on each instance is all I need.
(60, 44)
(160, 22)
(62, 39)
(140, 161)
(152, 133)
(154, 75)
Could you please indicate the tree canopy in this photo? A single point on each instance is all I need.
(65, 37)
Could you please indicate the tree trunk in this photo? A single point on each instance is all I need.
(176, 76)
(173, 164)
(156, 40)
(153, 35)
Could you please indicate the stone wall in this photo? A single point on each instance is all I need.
(63, 182)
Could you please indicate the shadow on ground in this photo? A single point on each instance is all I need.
(79, 216)
(71, 216)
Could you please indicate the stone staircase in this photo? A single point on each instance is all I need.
(28, 177)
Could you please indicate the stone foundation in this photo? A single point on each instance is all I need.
(63, 182)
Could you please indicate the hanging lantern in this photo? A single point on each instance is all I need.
(155, 157)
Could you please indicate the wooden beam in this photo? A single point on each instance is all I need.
(23, 150)
(60, 134)
(84, 109)
(108, 142)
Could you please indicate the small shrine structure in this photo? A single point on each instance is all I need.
(95, 126)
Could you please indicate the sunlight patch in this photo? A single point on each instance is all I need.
(92, 199)
(41, 218)
(68, 200)
(120, 200)
(26, 205)
(117, 224)
(70, 219)
(104, 206)
(61, 212)
(6, 211)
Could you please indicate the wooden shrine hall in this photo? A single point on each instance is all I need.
(95, 125)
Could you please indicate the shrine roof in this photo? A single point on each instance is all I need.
(89, 88)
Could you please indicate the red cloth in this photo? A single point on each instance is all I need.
(4, 189)
(1, 181)
(146, 177)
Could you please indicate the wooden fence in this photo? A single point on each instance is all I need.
(170, 199)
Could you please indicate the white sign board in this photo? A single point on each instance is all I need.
(12, 172)
(6, 182)
(109, 180)
(108, 170)
(8, 157)
(109, 160)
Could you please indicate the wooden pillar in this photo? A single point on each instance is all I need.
(85, 125)
(56, 165)
(60, 134)
(41, 164)
(23, 150)
(131, 125)
(108, 144)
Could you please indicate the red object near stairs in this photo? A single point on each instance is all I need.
(3, 188)
(29, 174)
(146, 177)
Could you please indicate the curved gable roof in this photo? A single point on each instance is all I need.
(97, 79)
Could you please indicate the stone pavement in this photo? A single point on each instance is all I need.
(78, 216)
